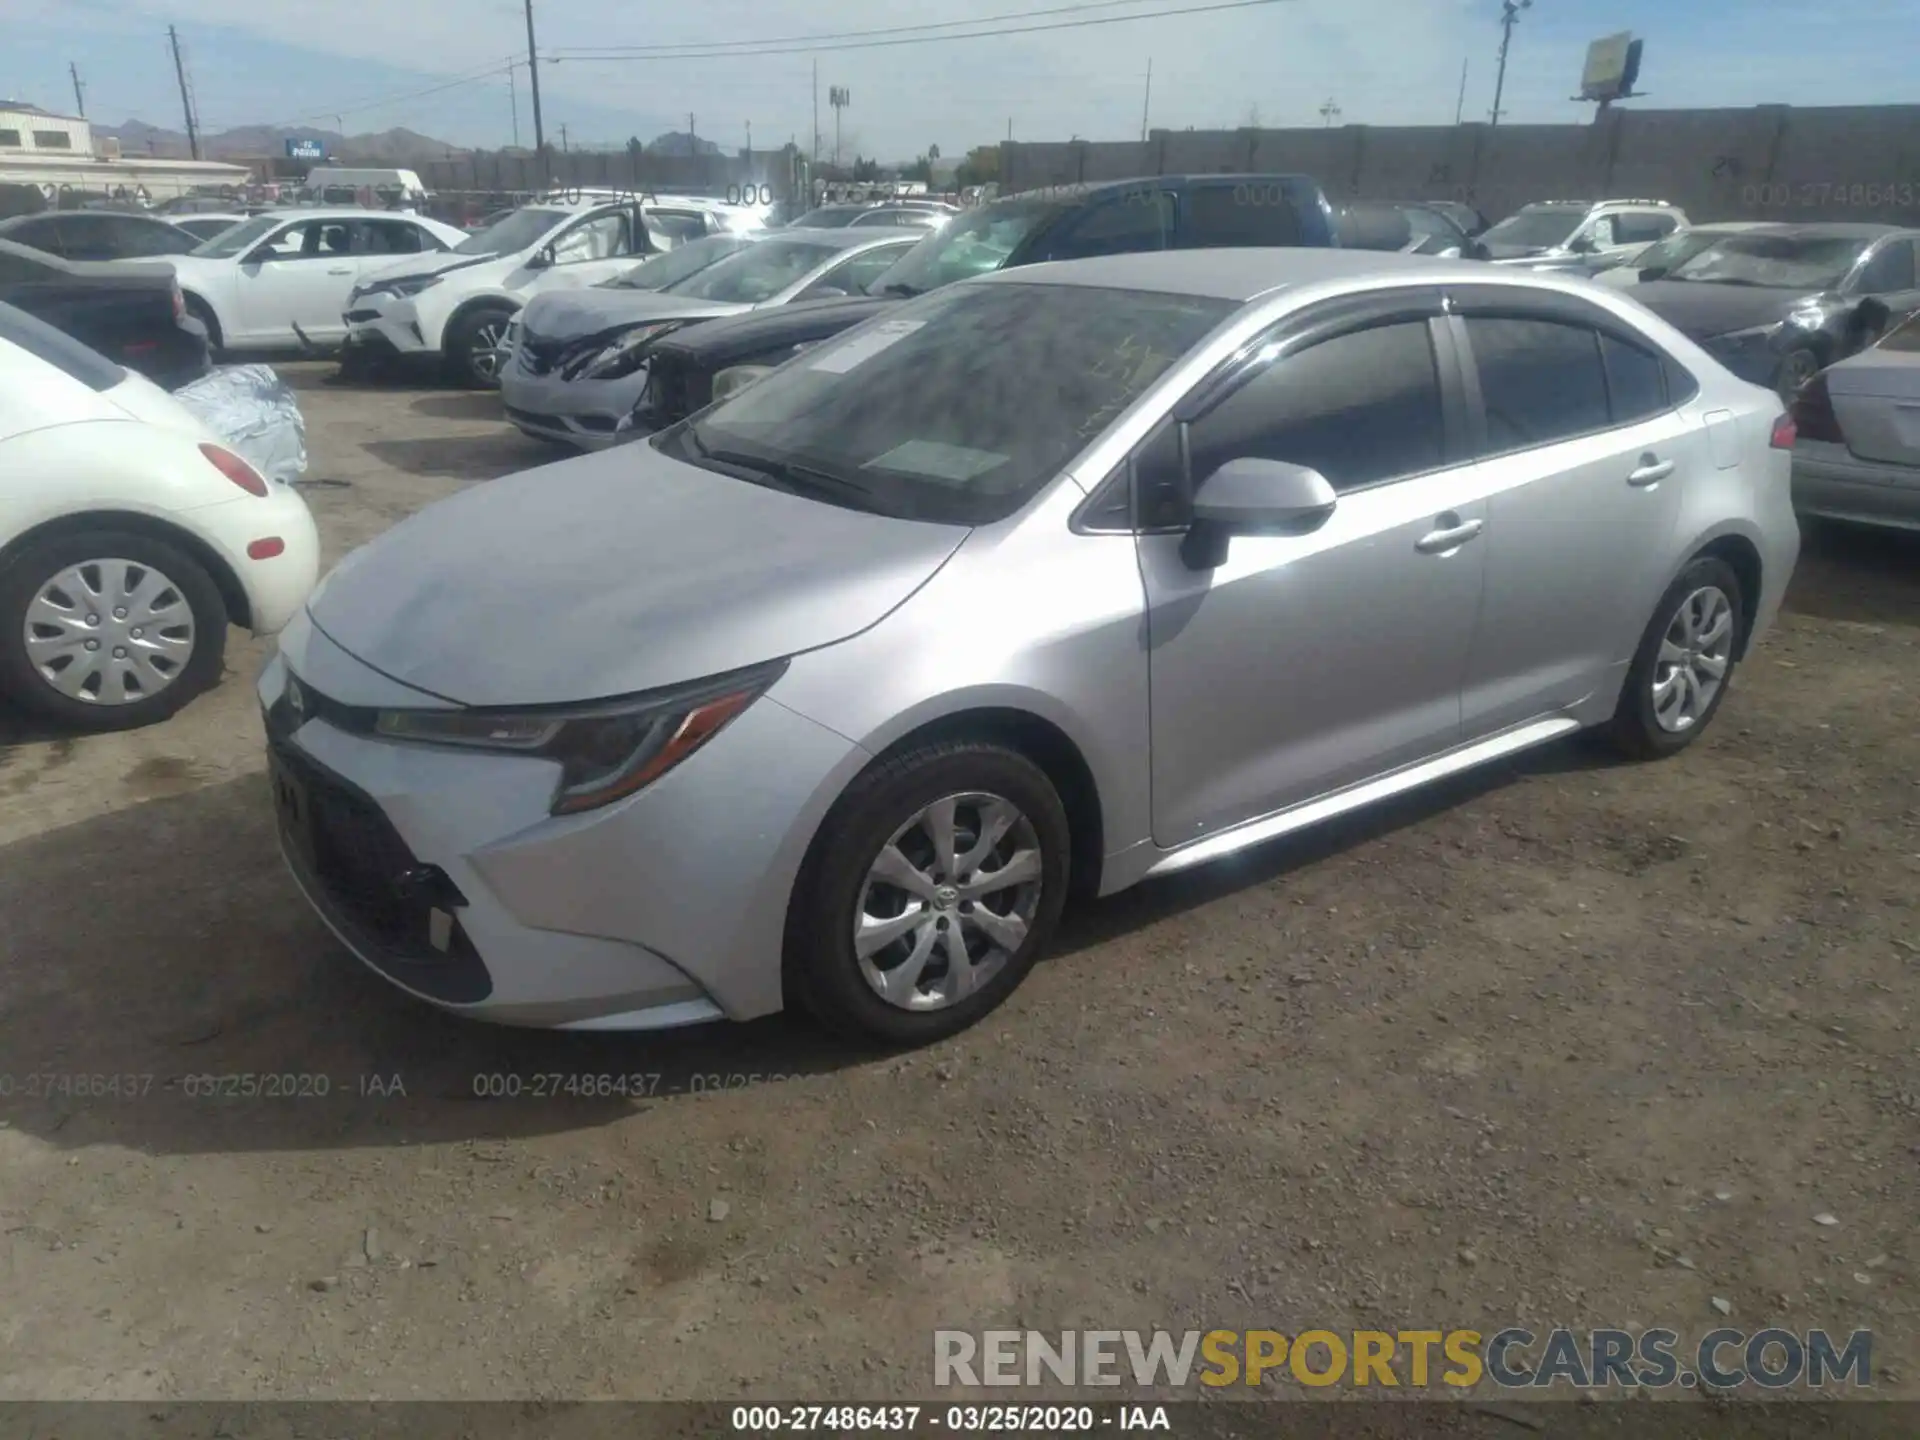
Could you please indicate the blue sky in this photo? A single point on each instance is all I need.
(1381, 61)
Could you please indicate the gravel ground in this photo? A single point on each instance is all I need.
(1567, 1042)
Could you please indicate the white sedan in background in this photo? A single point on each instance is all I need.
(282, 279)
(129, 539)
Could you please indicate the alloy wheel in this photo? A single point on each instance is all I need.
(948, 901)
(1695, 654)
(109, 632)
(488, 348)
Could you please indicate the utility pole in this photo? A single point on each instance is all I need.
(692, 147)
(1509, 17)
(533, 80)
(186, 102)
(1330, 112)
(816, 112)
(513, 99)
(563, 138)
(839, 97)
(1145, 103)
(1460, 110)
(79, 90)
(749, 139)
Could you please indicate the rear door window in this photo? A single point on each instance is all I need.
(1636, 381)
(1890, 269)
(1124, 225)
(1642, 227)
(1540, 380)
(1252, 212)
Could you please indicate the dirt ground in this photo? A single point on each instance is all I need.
(1568, 1042)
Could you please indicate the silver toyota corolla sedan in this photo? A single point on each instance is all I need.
(1048, 581)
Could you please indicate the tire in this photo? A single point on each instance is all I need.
(184, 591)
(1796, 367)
(464, 345)
(1638, 728)
(885, 808)
(198, 309)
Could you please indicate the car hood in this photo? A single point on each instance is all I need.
(1498, 251)
(1701, 310)
(574, 314)
(612, 574)
(439, 264)
(773, 328)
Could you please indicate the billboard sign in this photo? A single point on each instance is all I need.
(1611, 61)
(306, 150)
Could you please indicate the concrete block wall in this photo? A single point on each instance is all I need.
(1769, 162)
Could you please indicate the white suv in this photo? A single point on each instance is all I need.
(457, 306)
(1572, 234)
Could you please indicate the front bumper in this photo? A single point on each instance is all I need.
(667, 908)
(1831, 482)
(386, 325)
(586, 413)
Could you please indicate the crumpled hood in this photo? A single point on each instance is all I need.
(1701, 310)
(430, 265)
(576, 314)
(615, 573)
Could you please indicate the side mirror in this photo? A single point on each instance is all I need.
(1870, 317)
(1250, 496)
(259, 257)
(540, 259)
(1582, 245)
(1476, 250)
(826, 292)
(1653, 272)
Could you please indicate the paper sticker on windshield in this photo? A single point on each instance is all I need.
(844, 357)
(954, 463)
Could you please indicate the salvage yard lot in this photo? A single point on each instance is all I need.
(1565, 1042)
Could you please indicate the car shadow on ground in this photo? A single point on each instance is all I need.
(464, 457)
(1856, 574)
(165, 943)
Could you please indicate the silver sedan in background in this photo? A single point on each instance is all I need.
(1047, 581)
(1858, 453)
(579, 356)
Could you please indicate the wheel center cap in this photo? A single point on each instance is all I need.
(946, 897)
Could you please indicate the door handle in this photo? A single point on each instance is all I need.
(1651, 471)
(343, 270)
(1437, 541)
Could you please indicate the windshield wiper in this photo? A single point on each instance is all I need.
(909, 291)
(795, 478)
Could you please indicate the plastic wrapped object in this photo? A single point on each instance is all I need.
(255, 414)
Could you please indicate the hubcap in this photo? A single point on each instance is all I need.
(109, 632)
(947, 901)
(487, 351)
(1694, 656)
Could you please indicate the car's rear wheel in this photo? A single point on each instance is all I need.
(107, 630)
(199, 310)
(474, 346)
(928, 894)
(1684, 664)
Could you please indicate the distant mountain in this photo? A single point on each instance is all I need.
(392, 147)
(679, 142)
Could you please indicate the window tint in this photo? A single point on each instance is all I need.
(136, 235)
(41, 233)
(1124, 226)
(601, 238)
(1541, 381)
(1358, 408)
(387, 237)
(1255, 213)
(1636, 380)
(1601, 232)
(855, 275)
(670, 228)
(1890, 269)
(1641, 227)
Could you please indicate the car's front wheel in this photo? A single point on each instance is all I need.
(107, 630)
(475, 346)
(928, 894)
(1684, 664)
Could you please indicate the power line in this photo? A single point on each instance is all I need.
(714, 54)
(492, 72)
(569, 50)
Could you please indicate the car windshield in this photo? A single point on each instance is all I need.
(957, 408)
(238, 239)
(1775, 262)
(970, 244)
(1535, 229)
(516, 232)
(756, 273)
(1903, 337)
(828, 217)
(677, 264)
(1678, 247)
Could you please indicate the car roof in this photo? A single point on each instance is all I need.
(1835, 230)
(1239, 275)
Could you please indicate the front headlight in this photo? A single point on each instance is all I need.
(399, 289)
(733, 380)
(605, 751)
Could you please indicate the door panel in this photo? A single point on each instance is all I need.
(1308, 663)
(1582, 511)
(306, 283)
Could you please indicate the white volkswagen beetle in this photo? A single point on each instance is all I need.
(129, 539)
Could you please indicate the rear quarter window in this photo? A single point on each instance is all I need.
(59, 350)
